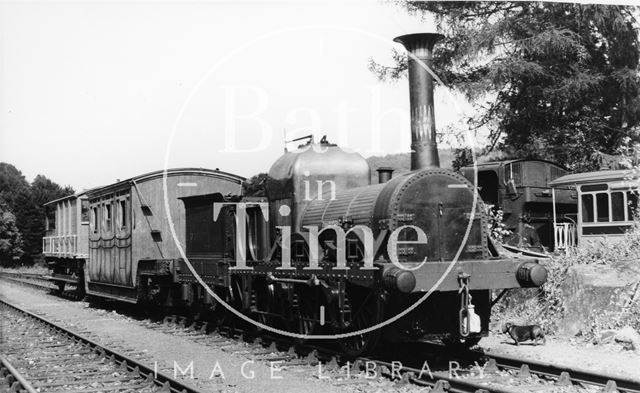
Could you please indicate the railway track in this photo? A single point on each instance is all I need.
(523, 368)
(494, 373)
(38, 282)
(28, 279)
(566, 376)
(322, 361)
(39, 355)
(477, 371)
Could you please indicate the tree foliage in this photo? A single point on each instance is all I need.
(255, 186)
(24, 202)
(557, 81)
(10, 238)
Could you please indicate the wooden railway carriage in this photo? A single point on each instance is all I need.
(607, 203)
(66, 242)
(131, 252)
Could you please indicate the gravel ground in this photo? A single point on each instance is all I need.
(609, 358)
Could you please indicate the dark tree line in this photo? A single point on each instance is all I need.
(22, 216)
(557, 81)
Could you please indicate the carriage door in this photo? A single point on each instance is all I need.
(122, 251)
(95, 229)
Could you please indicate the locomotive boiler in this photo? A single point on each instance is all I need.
(325, 253)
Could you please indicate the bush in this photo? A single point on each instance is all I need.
(11, 243)
(495, 224)
(546, 305)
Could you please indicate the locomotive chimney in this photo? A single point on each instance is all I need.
(384, 174)
(424, 148)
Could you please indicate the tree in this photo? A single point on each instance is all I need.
(24, 201)
(43, 190)
(15, 192)
(10, 237)
(13, 184)
(556, 81)
(254, 186)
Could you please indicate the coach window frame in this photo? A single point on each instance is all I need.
(107, 217)
(123, 215)
(50, 218)
(94, 219)
(85, 211)
(592, 191)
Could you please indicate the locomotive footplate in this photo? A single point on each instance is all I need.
(213, 271)
(302, 271)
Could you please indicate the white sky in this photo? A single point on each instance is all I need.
(90, 91)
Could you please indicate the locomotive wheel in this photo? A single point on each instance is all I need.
(271, 309)
(263, 304)
(280, 309)
(365, 311)
(231, 320)
(308, 311)
(217, 314)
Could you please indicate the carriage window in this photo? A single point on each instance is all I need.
(632, 204)
(51, 219)
(84, 210)
(602, 206)
(514, 172)
(617, 206)
(123, 214)
(94, 219)
(107, 217)
(587, 208)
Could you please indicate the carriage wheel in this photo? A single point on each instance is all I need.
(80, 291)
(365, 311)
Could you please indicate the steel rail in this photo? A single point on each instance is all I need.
(132, 365)
(439, 381)
(27, 279)
(37, 281)
(576, 375)
(20, 384)
(442, 382)
(546, 369)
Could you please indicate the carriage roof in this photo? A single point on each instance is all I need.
(169, 172)
(596, 177)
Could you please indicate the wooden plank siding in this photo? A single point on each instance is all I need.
(129, 222)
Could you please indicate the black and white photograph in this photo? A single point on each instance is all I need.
(319, 196)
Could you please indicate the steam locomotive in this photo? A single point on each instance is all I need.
(326, 253)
